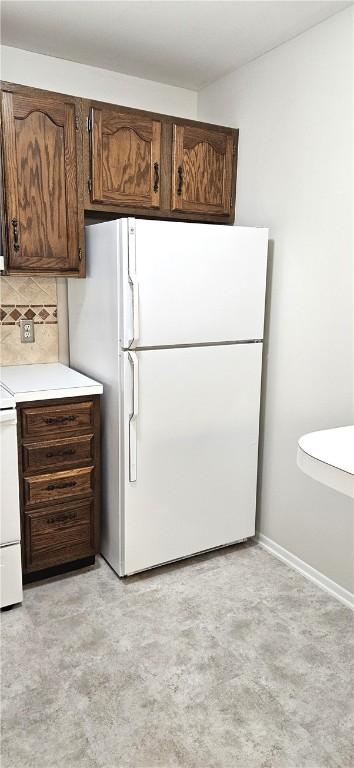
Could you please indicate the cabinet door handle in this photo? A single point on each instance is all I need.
(58, 486)
(59, 419)
(156, 177)
(180, 180)
(68, 452)
(16, 235)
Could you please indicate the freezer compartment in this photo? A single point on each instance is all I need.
(191, 283)
(190, 422)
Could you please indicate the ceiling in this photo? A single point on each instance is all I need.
(183, 42)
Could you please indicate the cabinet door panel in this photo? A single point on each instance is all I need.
(36, 222)
(125, 159)
(41, 183)
(202, 170)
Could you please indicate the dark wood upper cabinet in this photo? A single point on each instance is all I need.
(42, 154)
(61, 155)
(202, 170)
(125, 158)
(146, 164)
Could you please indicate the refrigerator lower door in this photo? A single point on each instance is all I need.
(190, 421)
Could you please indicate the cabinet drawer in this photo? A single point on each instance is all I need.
(58, 485)
(58, 535)
(57, 419)
(57, 454)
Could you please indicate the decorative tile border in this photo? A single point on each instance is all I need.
(11, 314)
(28, 298)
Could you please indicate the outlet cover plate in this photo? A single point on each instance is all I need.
(27, 331)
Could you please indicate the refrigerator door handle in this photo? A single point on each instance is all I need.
(135, 287)
(133, 280)
(133, 419)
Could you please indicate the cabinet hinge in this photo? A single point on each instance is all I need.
(80, 254)
(77, 123)
(88, 125)
(230, 202)
(89, 185)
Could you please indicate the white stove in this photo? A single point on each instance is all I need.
(10, 533)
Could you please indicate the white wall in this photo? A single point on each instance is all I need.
(294, 109)
(63, 76)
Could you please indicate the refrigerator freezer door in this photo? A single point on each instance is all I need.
(194, 483)
(194, 283)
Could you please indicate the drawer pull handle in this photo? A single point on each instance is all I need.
(68, 452)
(58, 486)
(62, 518)
(59, 419)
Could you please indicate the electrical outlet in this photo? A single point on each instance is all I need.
(27, 331)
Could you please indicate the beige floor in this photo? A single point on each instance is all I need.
(229, 660)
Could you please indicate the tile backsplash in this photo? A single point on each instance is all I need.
(34, 299)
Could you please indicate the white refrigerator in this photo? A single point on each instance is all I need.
(170, 320)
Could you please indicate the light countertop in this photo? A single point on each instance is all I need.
(328, 456)
(46, 381)
(7, 400)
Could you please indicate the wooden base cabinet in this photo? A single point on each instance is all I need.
(59, 466)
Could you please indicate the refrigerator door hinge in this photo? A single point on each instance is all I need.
(89, 185)
(131, 231)
(88, 124)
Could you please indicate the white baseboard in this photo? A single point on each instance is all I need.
(322, 581)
